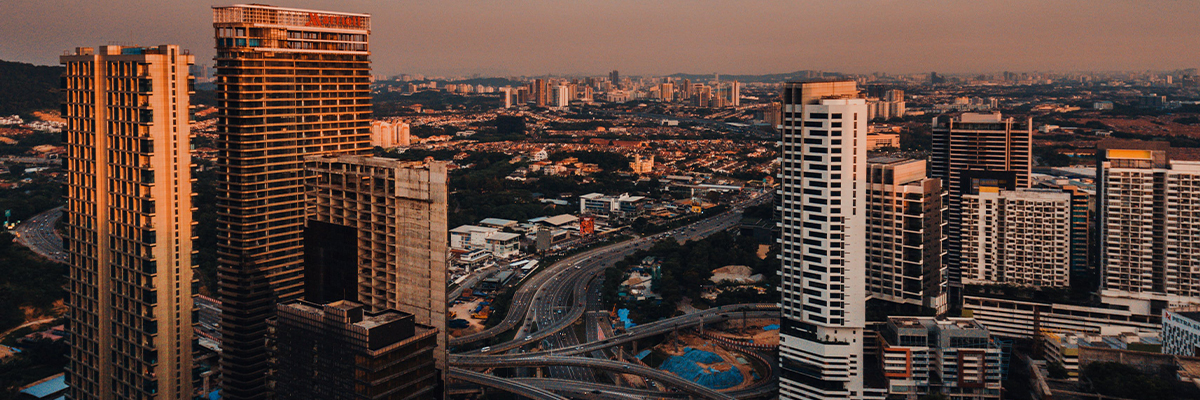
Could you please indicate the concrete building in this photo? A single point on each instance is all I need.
(882, 140)
(1181, 331)
(973, 150)
(501, 244)
(392, 214)
(1017, 237)
(541, 92)
(823, 258)
(642, 165)
(562, 96)
(312, 60)
(341, 350)
(905, 233)
(1149, 226)
(1069, 349)
(956, 357)
(1025, 319)
(128, 222)
(388, 134)
(666, 92)
(735, 94)
(623, 205)
(1083, 217)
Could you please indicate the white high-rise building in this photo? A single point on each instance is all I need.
(1149, 209)
(823, 252)
(390, 134)
(562, 96)
(1019, 237)
(735, 93)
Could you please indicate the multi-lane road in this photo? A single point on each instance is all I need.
(548, 303)
(38, 234)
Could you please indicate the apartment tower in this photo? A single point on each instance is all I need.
(973, 150)
(1149, 223)
(128, 222)
(1017, 237)
(394, 213)
(823, 255)
(290, 83)
(905, 233)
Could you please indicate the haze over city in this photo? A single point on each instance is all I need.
(590, 37)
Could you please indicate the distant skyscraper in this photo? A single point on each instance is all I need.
(128, 223)
(1016, 237)
(342, 351)
(615, 79)
(401, 240)
(562, 96)
(390, 134)
(905, 233)
(290, 83)
(735, 93)
(1149, 221)
(666, 91)
(975, 150)
(540, 92)
(701, 94)
(824, 255)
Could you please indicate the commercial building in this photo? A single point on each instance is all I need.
(342, 351)
(393, 214)
(1023, 319)
(823, 255)
(905, 233)
(1069, 349)
(1016, 237)
(388, 134)
(974, 150)
(1149, 220)
(956, 357)
(290, 83)
(622, 205)
(128, 222)
(1181, 331)
(501, 244)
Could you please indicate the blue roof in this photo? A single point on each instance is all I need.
(215, 395)
(47, 388)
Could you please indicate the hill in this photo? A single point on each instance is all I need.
(25, 88)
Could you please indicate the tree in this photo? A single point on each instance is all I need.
(510, 125)
(1057, 371)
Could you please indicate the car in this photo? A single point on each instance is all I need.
(528, 338)
(486, 349)
(626, 367)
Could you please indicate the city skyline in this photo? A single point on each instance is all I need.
(535, 38)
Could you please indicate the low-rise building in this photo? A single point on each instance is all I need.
(623, 205)
(955, 356)
(472, 237)
(1065, 348)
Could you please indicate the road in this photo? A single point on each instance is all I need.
(508, 385)
(27, 324)
(38, 234)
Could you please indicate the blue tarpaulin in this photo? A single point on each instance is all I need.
(771, 327)
(623, 314)
(643, 354)
(688, 367)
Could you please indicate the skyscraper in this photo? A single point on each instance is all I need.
(394, 213)
(1149, 220)
(129, 223)
(735, 93)
(290, 83)
(615, 79)
(823, 253)
(974, 150)
(905, 233)
(541, 92)
(1016, 237)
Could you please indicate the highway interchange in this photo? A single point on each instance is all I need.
(548, 304)
(38, 235)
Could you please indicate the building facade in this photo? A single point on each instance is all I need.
(388, 134)
(1016, 237)
(128, 219)
(290, 83)
(342, 351)
(955, 356)
(905, 233)
(823, 260)
(397, 213)
(974, 150)
(1181, 331)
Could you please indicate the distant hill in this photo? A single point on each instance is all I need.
(768, 78)
(25, 88)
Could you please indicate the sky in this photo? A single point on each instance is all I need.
(658, 37)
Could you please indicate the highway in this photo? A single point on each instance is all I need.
(548, 303)
(508, 385)
(38, 234)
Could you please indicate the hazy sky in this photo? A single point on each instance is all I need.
(536, 37)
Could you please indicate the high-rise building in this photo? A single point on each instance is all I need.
(290, 83)
(974, 150)
(1017, 237)
(1083, 216)
(541, 93)
(388, 134)
(615, 79)
(1149, 220)
(666, 91)
(905, 233)
(701, 94)
(340, 350)
(1181, 331)
(397, 212)
(128, 223)
(823, 255)
(562, 96)
(735, 93)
